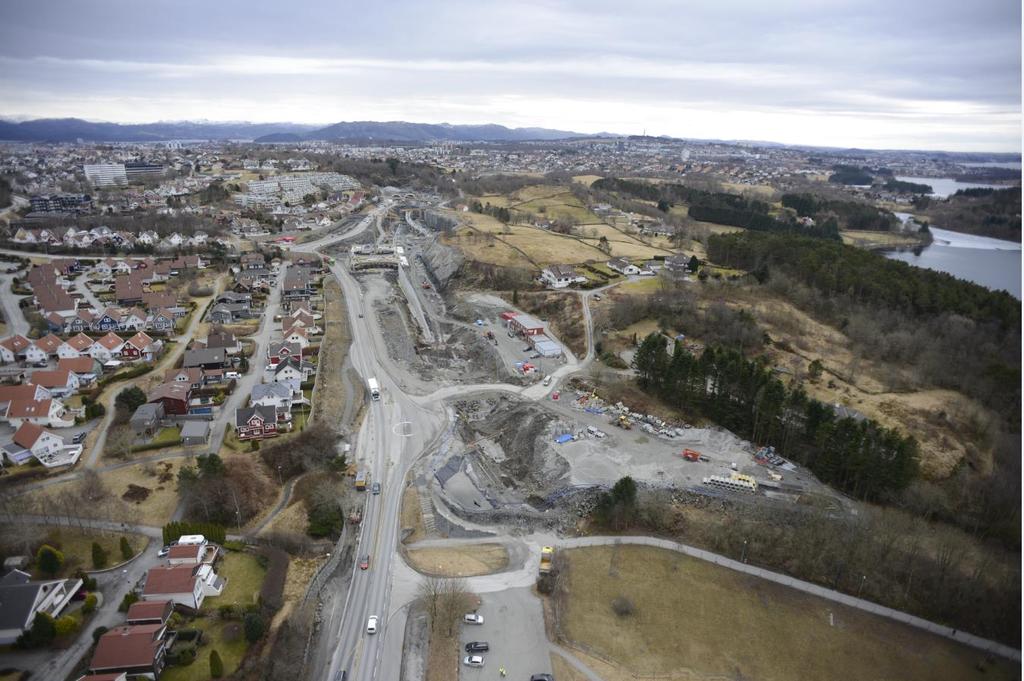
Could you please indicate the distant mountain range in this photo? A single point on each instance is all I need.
(72, 129)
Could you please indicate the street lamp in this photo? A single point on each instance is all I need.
(863, 579)
(744, 558)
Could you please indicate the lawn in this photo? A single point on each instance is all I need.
(215, 638)
(76, 545)
(167, 436)
(244, 576)
(691, 617)
(459, 561)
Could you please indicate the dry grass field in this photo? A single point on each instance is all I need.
(459, 561)
(412, 516)
(877, 239)
(695, 620)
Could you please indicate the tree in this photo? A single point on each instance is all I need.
(49, 560)
(815, 369)
(130, 399)
(99, 556)
(393, 165)
(216, 665)
(43, 630)
(126, 602)
(126, 549)
(65, 626)
(254, 627)
(89, 605)
(694, 264)
(664, 206)
(603, 245)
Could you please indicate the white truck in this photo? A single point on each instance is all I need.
(374, 388)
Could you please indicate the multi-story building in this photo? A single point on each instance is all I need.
(105, 174)
(59, 203)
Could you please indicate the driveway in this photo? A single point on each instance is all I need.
(514, 628)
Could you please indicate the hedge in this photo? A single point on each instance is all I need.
(212, 531)
(156, 445)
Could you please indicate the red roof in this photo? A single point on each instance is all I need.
(27, 435)
(186, 551)
(175, 390)
(10, 393)
(16, 343)
(78, 365)
(49, 344)
(147, 610)
(129, 646)
(28, 408)
(80, 342)
(140, 340)
(51, 379)
(111, 341)
(177, 579)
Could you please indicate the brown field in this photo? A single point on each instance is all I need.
(692, 619)
(586, 179)
(459, 561)
(877, 239)
(412, 516)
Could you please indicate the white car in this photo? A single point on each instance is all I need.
(473, 661)
(232, 374)
(371, 625)
(473, 618)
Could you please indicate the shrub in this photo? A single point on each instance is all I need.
(65, 626)
(126, 549)
(623, 607)
(98, 632)
(253, 627)
(99, 556)
(216, 666)
(188, 634)
(42, 633)
(126, 602)
(89, 605)
(234, 545)
(49, 560)
(231, 632)
(227, 611)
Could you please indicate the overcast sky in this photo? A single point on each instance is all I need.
(926, 74)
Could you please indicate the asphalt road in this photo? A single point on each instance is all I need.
(13, 317)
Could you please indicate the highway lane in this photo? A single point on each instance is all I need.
(13, 316)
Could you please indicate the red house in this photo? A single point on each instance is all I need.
(256, 423)
(174, 396)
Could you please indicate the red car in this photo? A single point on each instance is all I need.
(364, 564)
(555, 395)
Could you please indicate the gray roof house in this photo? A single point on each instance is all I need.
(195, 432)
(21, 598)
(147, 418)
(207, 358)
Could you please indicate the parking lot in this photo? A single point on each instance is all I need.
(514, 628)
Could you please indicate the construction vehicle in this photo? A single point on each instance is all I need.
(624, 422)
(374, 388)
(355, 517)
(361, 481)
(426, 286)
(547, 554)
(691, 455)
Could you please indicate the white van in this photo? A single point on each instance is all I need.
(371, 625)
(547, 380)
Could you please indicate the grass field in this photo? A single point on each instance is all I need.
(244, 575)
(412, 515)
(459, 561)
(586, 179)
(877, 239)
(76, 545)
(696, 620)
(231, 649)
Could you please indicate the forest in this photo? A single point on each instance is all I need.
(850, 214)
(983, 211)
(844, 174)
(861, 458)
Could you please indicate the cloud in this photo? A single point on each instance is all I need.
(869, 73)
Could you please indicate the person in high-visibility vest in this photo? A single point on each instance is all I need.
(501, 670)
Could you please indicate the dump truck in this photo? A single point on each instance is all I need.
(547, 553)
(374, 388)
(361, 481)
(691, 455)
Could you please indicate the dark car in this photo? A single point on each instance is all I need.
(376, 488)
(79, 438)
(542, 677)
(477, 647)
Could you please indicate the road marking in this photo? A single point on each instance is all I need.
(402, 428)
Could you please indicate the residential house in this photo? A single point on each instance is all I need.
(561, 276)
(192, 377)
(156, 300)
(623, 266)
(185, 585)
(40, 442)
(297, 285)
(173, 396)
(150, 612)
(12, 348)
(136, 649)
(48, 412)
(128, 289)
(281, 351)
(86, 368)
(141, 347)
(107, 348)
(60, 382)
(195, 433)
(292, 373)
(234, 298)
(193, 554)
(36, 355)
(218, 338)
(251, 261)
(296, 336)
(108, 320)
(275, 394)
(677, 266)
(147, 419)
(206, 358)
(227, 313)
(133, 320)
(161, 321)
(256, 423)
(81, 320)
(49, 344)
(22, 598)
(76, 346)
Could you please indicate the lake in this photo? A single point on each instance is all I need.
(944, 186)
(993, 263)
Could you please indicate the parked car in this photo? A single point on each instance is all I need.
(79, 438)
(473, 661)
(163, 552)
(375, 488)
(542, 677)
(232, 374)
(547, 380)
(555, 395)
(473, 618)
(364, 564)
(371, 625)
(597, 296)
(477, 647)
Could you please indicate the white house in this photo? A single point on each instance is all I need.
(623, 266)
(298, 336)
(186, 585)
(561, 276)
(106, 348)
(23, 598)
(35, 354)
(291, 373)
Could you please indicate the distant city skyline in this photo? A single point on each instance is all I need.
(912, 75)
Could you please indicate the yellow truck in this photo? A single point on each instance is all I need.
(361, 481)
(547, 553)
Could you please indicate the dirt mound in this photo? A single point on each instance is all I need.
(136, 493)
